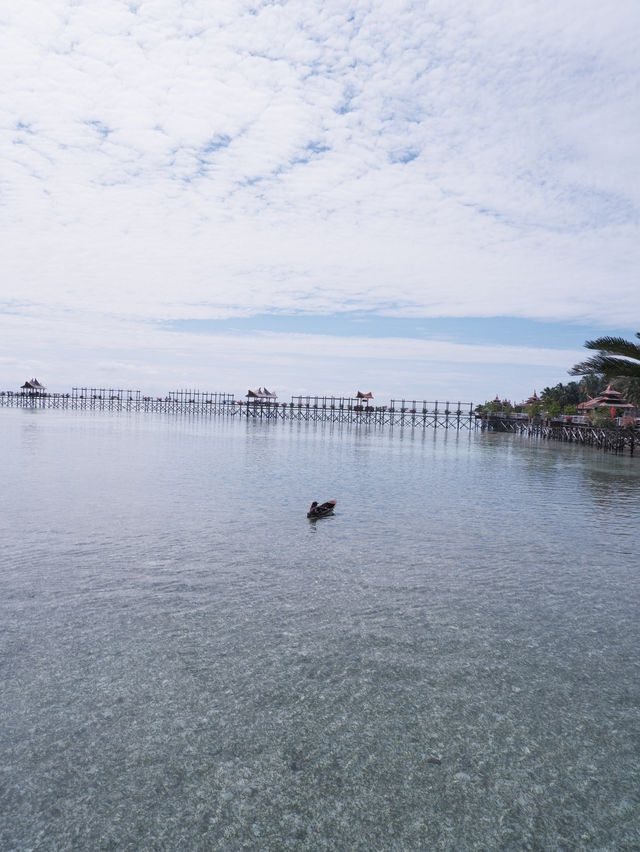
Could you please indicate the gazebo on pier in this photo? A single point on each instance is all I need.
(261, 395)
(362, 398)
(609, 398)
(33, 386)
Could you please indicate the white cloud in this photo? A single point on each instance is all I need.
(95, 350)
(165, 160)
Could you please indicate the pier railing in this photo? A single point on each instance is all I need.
(328, 409)
(613, 438)
(404, 414)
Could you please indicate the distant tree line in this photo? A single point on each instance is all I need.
(617, 362)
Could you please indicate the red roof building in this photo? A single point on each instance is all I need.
(609, 398)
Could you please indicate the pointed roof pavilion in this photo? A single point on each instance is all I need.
(609, 398)
(262, 394)
(32, 384)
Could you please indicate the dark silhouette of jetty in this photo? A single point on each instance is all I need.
(359, 410)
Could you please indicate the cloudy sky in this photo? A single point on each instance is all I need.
(427, 199)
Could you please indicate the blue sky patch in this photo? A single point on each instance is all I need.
(490, 331)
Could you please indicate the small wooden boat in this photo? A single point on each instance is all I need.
(321, 511)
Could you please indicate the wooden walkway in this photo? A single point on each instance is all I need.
(615, 440)
(403, 414)
(423, 415)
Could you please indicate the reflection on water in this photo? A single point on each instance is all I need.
(449, 662)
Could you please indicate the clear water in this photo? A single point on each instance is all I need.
(187, 663)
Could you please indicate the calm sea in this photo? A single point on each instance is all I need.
(187, 663)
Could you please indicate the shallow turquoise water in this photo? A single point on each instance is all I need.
(450, 662)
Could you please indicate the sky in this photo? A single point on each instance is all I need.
(429, 200)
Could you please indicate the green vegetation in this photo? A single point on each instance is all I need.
(496, 406)
(617, 361)
(630, 390)
(561, 397)
(600, 417)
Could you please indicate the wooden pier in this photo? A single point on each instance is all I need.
(401, 414)
(327, 409)
(614, 439)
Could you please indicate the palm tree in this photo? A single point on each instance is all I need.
(630, 390)
(591, 385)
(618, 360)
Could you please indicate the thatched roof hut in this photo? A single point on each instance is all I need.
(609, 398)
(32, 385)
(262, 394)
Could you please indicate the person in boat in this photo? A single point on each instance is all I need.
(319, 511)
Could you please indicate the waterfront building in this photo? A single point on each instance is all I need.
(609, 398)
(33, 385)
(262, 394)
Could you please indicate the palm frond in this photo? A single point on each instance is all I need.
(616, 358)
(608, 366)
(615, 346)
